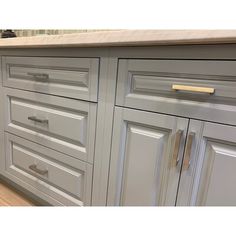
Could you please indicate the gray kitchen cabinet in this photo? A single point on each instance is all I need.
(146, 158)
(120, 126)
(143, 169)
(208, 174)
(193, 89)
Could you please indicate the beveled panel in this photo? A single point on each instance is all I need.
(69, 77)
(62, 124)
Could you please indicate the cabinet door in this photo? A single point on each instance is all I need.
(210, 176)
(147, 150)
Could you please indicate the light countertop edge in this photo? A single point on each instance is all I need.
(123, 38)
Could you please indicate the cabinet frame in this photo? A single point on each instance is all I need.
(107, 87)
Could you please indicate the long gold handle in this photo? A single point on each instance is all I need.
(177, 87)
(189, 145)
(178, 136)
(37, 170)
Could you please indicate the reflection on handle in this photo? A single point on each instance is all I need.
(177, 87)
(189, 146)
(178, 136)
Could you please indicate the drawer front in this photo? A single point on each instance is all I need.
(62, 124)
(61, 177)
(176, 86)
(69, 77)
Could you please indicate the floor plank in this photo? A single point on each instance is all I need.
(3, 203)
(11, 197)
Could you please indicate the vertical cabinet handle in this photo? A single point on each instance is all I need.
(178, 136)
(189, 146)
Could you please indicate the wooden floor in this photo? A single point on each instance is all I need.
(12, 197)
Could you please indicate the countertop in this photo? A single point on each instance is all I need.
(123, 38)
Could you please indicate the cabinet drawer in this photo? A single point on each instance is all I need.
(69, 77)
(61, 177)
(63, 124)
(179, 87)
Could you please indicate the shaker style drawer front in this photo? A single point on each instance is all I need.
(176, 86)
(63, 178)
(62, 124)
(69, 77)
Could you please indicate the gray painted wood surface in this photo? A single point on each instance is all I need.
(138, 127)
(68, 183)
(69, 77)
(105, 114)
(70, 127)
(210, 180)
(143, 172)
(147, 85)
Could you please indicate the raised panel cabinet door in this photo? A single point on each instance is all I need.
(147, 150)
(209, 167)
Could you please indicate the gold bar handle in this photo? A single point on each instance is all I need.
(178, 136)
(189, 146)
(187, 88)
(38, 171)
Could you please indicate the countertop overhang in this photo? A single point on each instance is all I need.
(123, 38)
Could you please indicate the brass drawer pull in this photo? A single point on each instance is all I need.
(38, 171)
(178, 136)
(189, 145)
(177, 87)
(39, 75)
(34, 118)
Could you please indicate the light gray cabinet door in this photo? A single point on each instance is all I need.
(209, 167)
(147, 150)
